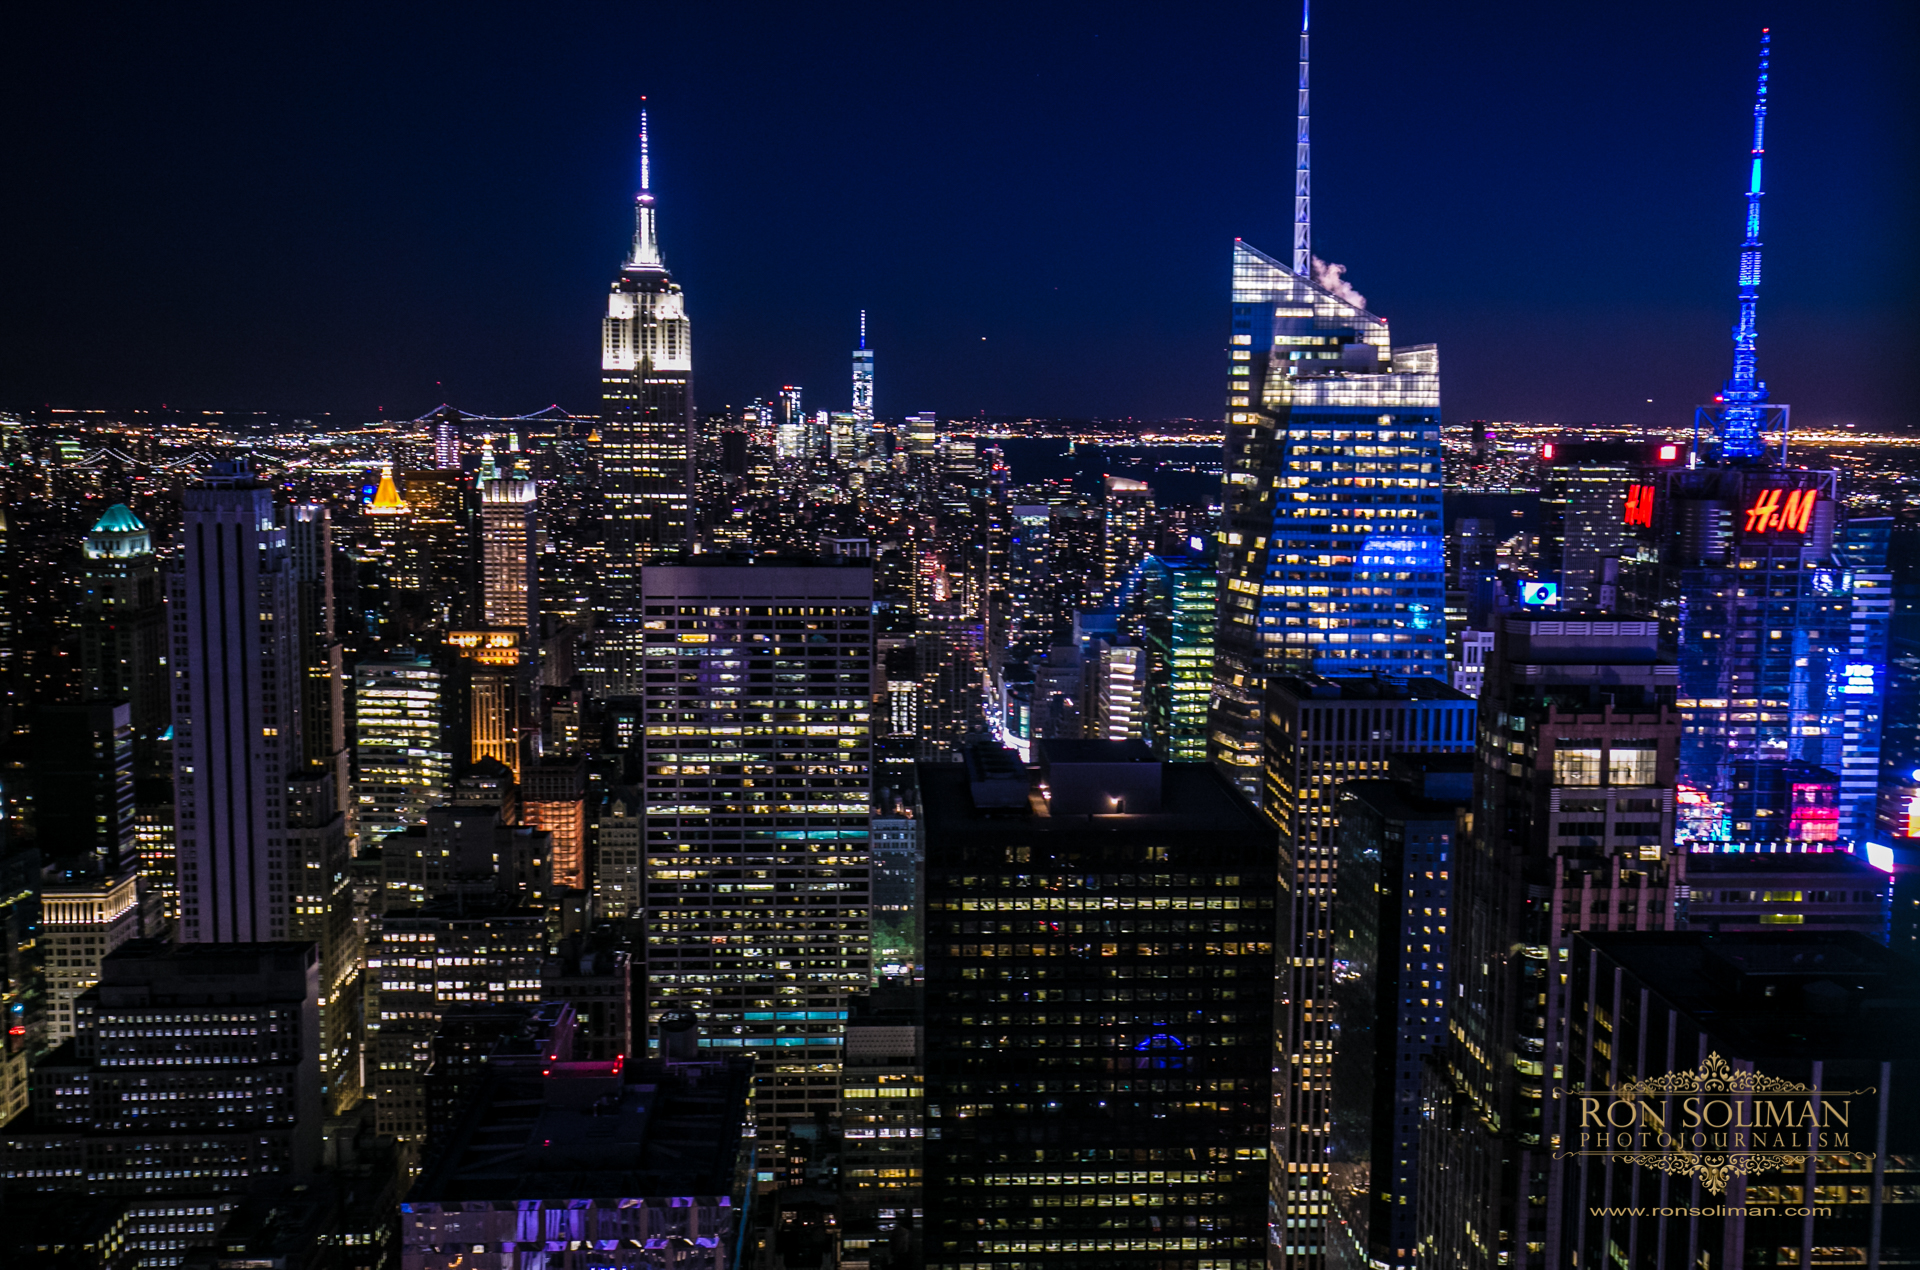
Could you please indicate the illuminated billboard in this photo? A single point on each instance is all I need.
(1640, 505)
(1781, 511)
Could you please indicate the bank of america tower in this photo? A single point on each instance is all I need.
(1330, 535)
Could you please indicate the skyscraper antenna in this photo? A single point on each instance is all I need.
(646, 164)
(1302, 169)
(863, 328)
(646, 241)
(1745, 394)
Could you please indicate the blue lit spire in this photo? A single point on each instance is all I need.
(1745, 395)
(1302, 168)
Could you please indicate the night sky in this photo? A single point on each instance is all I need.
(373, 209)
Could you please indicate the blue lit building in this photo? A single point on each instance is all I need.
(1331, 557)
(1781, 607)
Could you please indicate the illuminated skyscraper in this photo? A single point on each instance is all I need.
(1331, 553)
(510, 560)
(1330, 541)
(1782, 602)
(123, 637)
(1129, 533)
(790, 424)
(1168, 606)
(863, 379)
(400, 749)
(236, 734)
(757, 756)
(262, 838)
(647, 449)
(1099, 1007)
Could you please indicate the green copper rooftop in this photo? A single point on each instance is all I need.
(119, 519)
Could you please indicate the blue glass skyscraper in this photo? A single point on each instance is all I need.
(1330, 536)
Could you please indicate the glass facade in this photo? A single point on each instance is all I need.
(1322, 733)
(1168, 607)
(401, 759)
(1330, 542)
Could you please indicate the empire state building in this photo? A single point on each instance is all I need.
(646, 381)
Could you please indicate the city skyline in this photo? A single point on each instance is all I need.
(1609, 152)
(832, 826)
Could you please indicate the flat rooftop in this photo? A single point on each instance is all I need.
(1194, 798)
(582, 1130)
(1783, 994)
(1365, 688)
(1757, 863)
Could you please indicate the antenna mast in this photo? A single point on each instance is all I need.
(1745, 394)
(1302, 189)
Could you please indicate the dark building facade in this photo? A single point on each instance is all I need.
(1572, 830)
(1821, 1029)
(1791, 890)
(194, 1070)
(1099, 1012)
(1392, 968)
(1321, 733)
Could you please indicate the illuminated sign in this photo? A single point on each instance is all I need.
(1546, 451)
(1668, 453)
(1859, 678)
(1640, 505)
(1540, 593)
(1788, 510)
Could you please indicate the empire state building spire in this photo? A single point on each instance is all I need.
(646, 238)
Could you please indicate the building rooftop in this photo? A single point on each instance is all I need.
(1194, 800)
(582, 1130)
(1821, 863)
(1398, 801)
(119, 519)
(1831, 995)
(1366, 688)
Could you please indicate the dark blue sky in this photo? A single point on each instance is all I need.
(374, 208)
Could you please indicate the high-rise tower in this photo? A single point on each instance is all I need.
(758, 907)
(237, 686)
(1330, 540)
(647, 446)
(123, 639)
(863, 381)
(1781, 684)
(510, 572)
(262, 840)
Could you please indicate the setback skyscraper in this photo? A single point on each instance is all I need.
(647, 450)
(1330, 541)
(237, 686)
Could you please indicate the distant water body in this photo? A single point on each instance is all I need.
(1190, 474)
(1177, 473)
